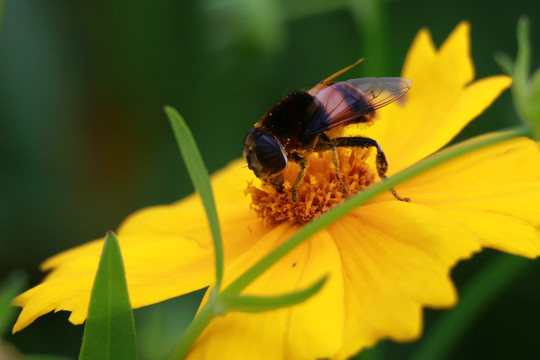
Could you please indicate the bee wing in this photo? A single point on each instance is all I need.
(353, 101)
(381, 91)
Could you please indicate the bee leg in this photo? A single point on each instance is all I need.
(336, 165)
(326, 142)
(303, 166)
(276, 182)
(382, 164)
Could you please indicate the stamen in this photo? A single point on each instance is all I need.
(319, 191)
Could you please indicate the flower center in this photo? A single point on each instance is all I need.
(318, 191)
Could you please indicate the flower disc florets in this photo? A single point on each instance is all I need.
(318, 191)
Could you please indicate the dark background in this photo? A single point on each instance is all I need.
(84, 141)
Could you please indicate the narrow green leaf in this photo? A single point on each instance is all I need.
(201, 181)
(254, 304)
(10, 287)
(109, 333)
(475, 297)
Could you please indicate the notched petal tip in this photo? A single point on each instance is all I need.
(422, 51)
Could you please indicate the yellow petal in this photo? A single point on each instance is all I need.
(394, 265)
(454, 58)
(494, 192)
(450, 119)
(180, 264)
(313, 329)
(500, 231)
(170, 243)
(421, 52)
(440, 103)
(381, 275)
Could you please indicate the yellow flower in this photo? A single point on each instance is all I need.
(386, 260)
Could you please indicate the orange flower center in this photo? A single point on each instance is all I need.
(318, 191)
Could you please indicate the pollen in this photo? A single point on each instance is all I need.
(318, 191)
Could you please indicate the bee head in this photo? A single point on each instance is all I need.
(264, 154)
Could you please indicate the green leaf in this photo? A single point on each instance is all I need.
(254, 304)
(201, 181)
(11, 286)
(109, 333)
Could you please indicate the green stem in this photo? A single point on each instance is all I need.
(479, 291)
(353, 202)
(193, 331)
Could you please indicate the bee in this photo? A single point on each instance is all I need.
(299, 124)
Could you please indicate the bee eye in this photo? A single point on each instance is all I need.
(270, 154)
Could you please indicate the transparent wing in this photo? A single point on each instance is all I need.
(381, 91)
(352, 100)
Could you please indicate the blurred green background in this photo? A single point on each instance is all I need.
(84, 141)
